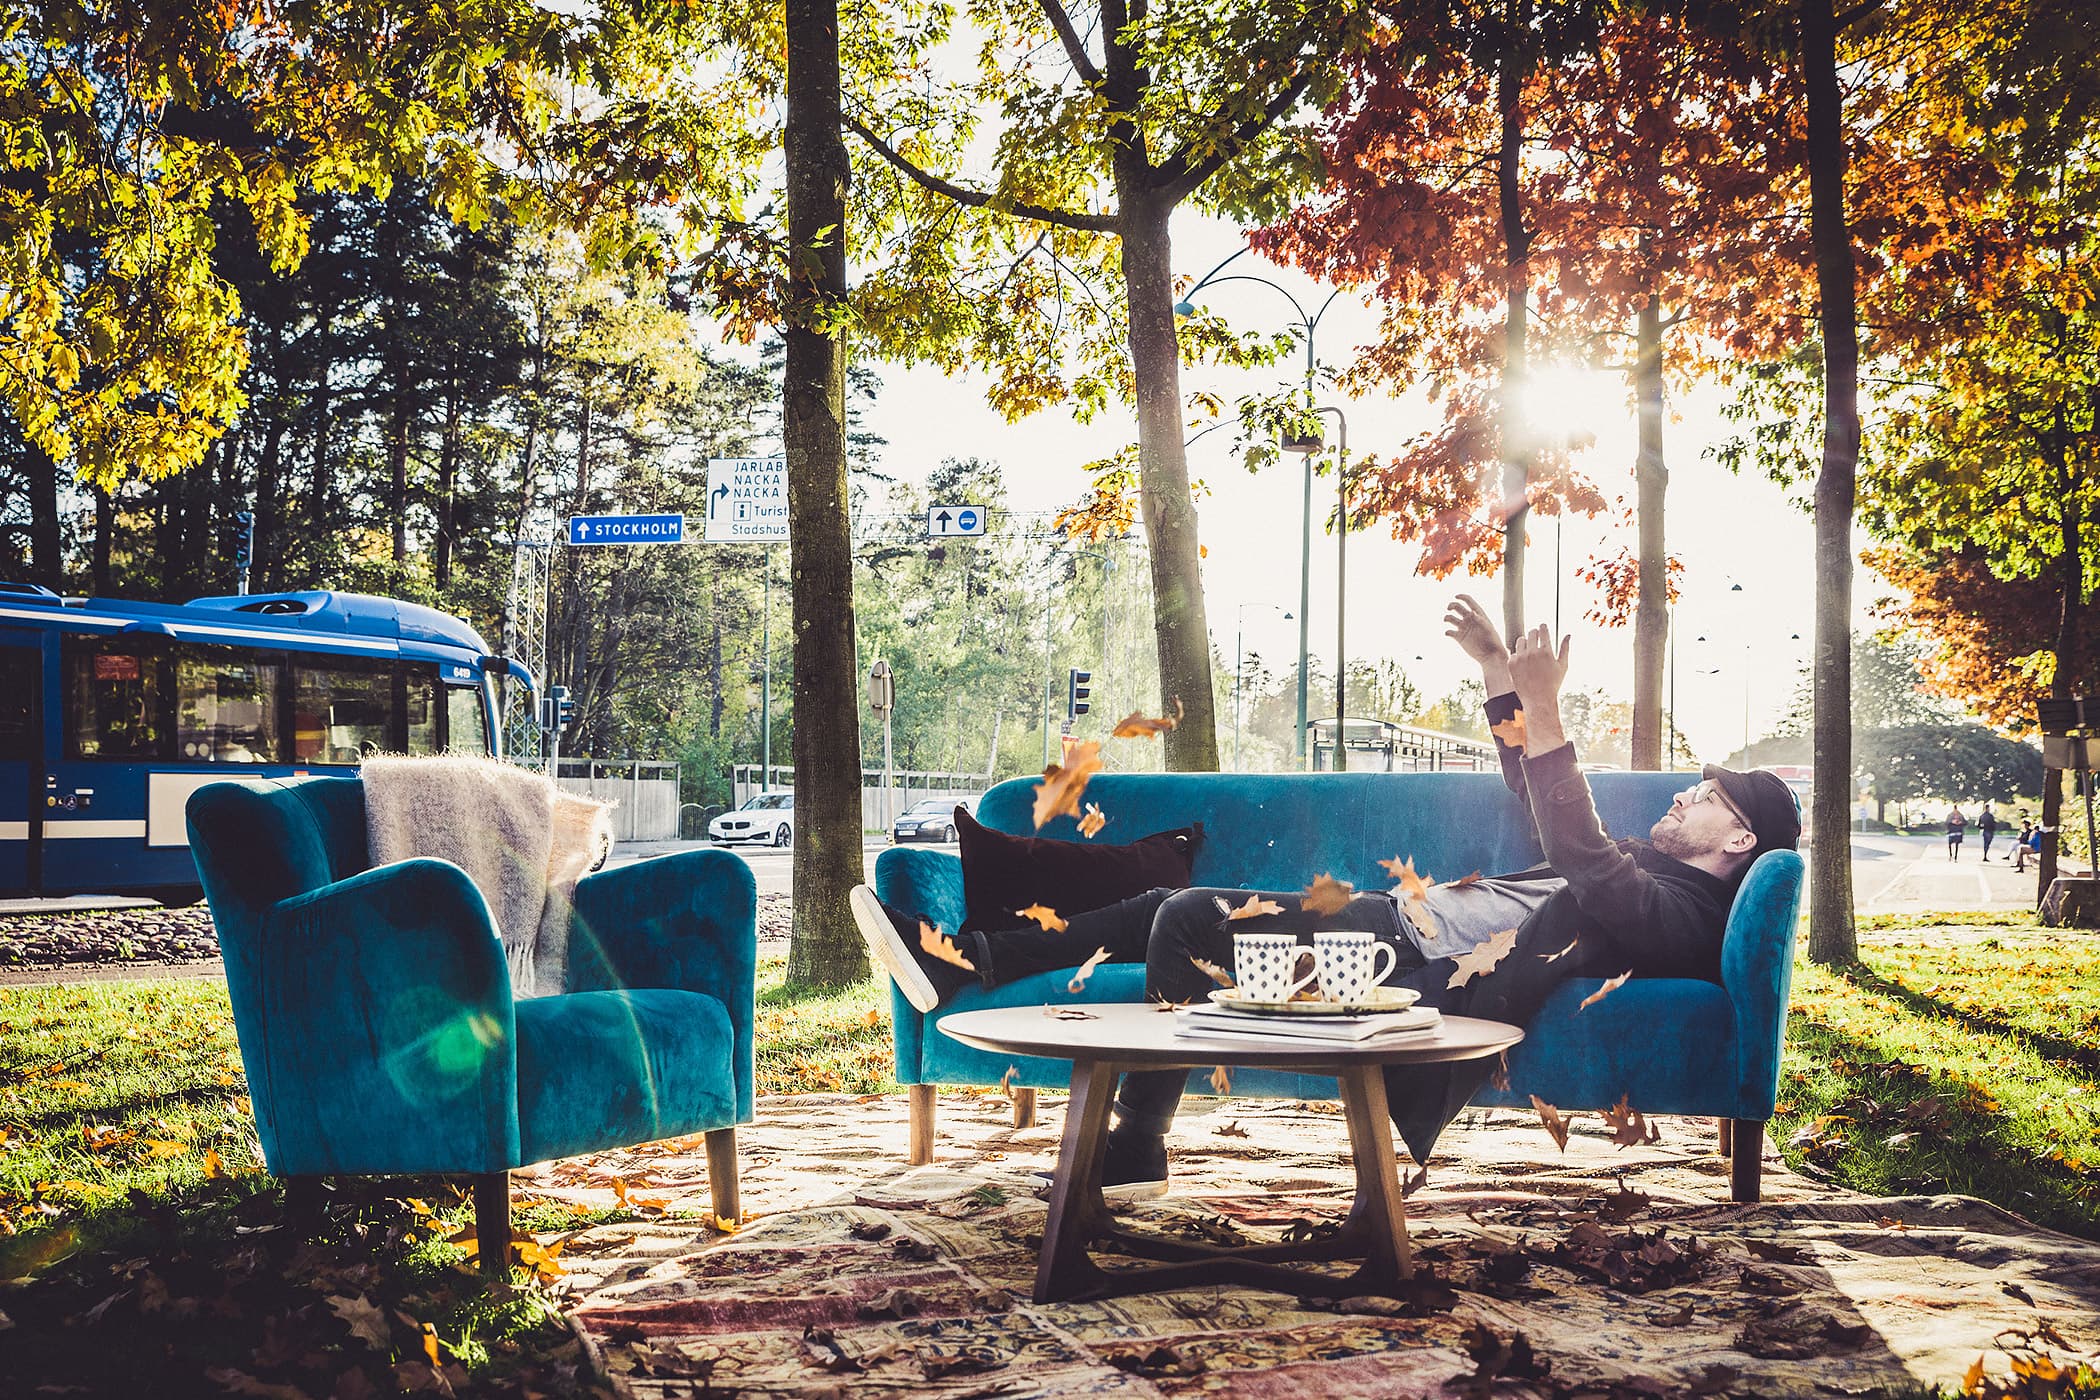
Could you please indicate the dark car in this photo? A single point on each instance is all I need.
(932, 819)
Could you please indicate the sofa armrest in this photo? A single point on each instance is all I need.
(381, 1036)
(928, 883)
(1757, 969)
(683, 922)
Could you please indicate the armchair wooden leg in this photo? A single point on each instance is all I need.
(1746, 1150)
(492, 1222)
(305, 1202)
(921, 1124)
(721, 1174)
(1024, 1108)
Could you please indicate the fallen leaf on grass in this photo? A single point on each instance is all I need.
(1555, 1121)
(1044, 916)
(1511, 730)
(1628, 1126)
(1058, 793)
(1412, 885)
(1327, 895)
(162, 1147)
(1090, 825)
(430, 1346)
(1215, 973)
(214, 1165)
(1254, 908)
(941, 946)
(1086, 970)
(364, 1318)
(1221, 1079)
(1136, 725)
(1611, 984)
(1482, 959)
(1556, 957)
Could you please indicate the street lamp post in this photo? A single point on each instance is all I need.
(1311, 446)
(1239, 662)
(1308, 323)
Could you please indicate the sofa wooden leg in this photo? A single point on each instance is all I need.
(1024, 1108)
(921, 1124)
(721, 1174)
(492, 1222)
(1746, 1151)
(305, 1203)
(1724, 1135)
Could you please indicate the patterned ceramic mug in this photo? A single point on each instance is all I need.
(1263, 965)
(1349, 963)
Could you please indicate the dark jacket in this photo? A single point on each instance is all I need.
(1627, 907)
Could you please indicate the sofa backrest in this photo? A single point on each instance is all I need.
(1279, 830)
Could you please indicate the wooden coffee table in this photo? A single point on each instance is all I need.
(1124, 1036)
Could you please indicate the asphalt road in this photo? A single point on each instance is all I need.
(773, 866)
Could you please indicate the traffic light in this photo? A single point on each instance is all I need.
(243, 539)
(557, 710)
(1078, 685)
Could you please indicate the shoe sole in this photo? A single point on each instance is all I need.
(1127, 1191)
(888, 948)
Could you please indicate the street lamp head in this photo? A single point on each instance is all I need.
(1184, 309)
(1306, 443)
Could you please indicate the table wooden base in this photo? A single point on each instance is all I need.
(1375, 1230)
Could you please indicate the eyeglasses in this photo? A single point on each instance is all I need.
(1711, 790)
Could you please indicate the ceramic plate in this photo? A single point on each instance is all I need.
(1380, 999)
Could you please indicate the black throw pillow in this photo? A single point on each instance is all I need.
(1003, 873)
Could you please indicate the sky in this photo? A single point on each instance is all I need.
(1729, 530)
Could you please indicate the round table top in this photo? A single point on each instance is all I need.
(1142, 1033)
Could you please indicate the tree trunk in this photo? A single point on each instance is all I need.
(1516, 324)
(46, 544)
(1179, 624)
(2070, 620)
(1832, 937)
(1651, 618)
(824, 950)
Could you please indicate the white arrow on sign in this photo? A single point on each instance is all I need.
(954, 520)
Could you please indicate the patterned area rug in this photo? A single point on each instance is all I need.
(1595, 1271)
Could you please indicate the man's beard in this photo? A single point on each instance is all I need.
(1669, 838)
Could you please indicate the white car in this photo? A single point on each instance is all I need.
(932, 819)
(766, 820)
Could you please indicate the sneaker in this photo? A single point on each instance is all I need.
(892, 937)
(1134, 1166)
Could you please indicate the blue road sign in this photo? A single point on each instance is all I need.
(955, 520)
(627, 529)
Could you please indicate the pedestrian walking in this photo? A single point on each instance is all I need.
(1988, 825)
(1956, 825)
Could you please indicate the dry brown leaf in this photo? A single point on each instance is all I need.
(1220, 1079)
(941, 946)
(1043, 915)
(1425, 922)
(1511, 730)
(1090, 824)
(1500, 1078)
(1058, 793)
(1215, 973)
(1628, 1126)
(1136, 725)
(1006, 1080)
(1069, 1013)
(1482, 959)
(1327, 895)
(1412, 885)
(1472, 879)
(1254, 908)
(1232, 1129)
(1556, 1122)
(1086, 970)
(1556, 957)
(1611, 984)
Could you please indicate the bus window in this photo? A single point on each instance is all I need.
(112, 702)
(341, 714)
(17, 679)
(226, 706)
(421, 693)
(463, 728)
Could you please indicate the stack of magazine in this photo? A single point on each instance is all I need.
(1209, 1021)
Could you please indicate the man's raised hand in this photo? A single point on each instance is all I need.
(1468, 624)
(1538, 670)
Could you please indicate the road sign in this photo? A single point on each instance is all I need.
(954, 520)
(627, 529)
(747, 500)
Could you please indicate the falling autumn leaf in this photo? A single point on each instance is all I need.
(1611, 984)
(1500, 1077)
(1086, 969)
(1327, 895)
(1058, 793)
(1090, 825)
(1043, 915)
(1556, 957)
(1215, 973)
(1006, 1080)
(939, 945)
(1628, 1127)
(1511, 730)
(1425, 922)
(1472, 879)
(1220, 1079)
(1412, 885)
(1482, 959)
(1556, 1122)
(1254, 908)
(1136, 725)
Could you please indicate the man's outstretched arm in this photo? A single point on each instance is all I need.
(1468, 624)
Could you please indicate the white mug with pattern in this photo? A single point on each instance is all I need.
(1264, 965)
(1348, 962)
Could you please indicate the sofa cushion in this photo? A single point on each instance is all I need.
(1003, 873)
(629, 1066)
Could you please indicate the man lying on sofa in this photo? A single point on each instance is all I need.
(1597, 908)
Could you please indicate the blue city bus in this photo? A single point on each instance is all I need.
(113, 713)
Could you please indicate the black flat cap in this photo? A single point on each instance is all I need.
(1765, 802)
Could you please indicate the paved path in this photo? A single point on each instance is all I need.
(1911, 875)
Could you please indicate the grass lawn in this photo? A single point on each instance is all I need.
(1956, 1057)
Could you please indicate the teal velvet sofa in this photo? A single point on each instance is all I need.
(376, 1021)
(1670, 1046)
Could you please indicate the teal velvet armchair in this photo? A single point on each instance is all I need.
(379, 1032)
